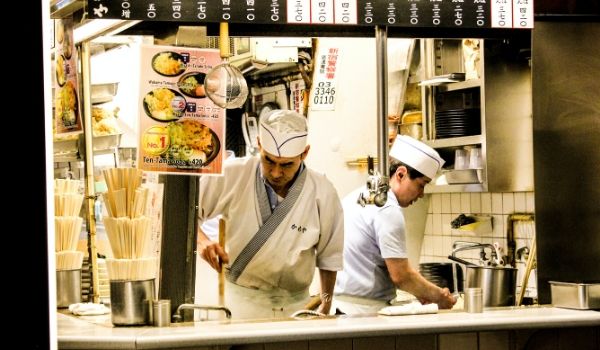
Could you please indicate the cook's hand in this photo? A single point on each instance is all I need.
(326, 301)
(324, 308)
(446, 300)
(424, 301)
(213, 254)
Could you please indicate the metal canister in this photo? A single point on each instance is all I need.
(498, 284)
(161, 313)
(129, 302)
(474, 300)
(68, 287)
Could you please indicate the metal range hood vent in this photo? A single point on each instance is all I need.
(254, 57)
(63, 8)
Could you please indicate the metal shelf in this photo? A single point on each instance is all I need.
(63, 8)
(456, 141)
(74, 149)
(477, 187)
(505, 114)
(461, 85)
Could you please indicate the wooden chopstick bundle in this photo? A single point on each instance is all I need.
(67, 229)
(140, 202)
(67, 204)
(62, 186)
(129, 238)
(69, 260)
(125, 196)
(131, 269)
(67, 224)
(127, 227)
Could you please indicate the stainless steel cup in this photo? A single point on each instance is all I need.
(474, 300)
(68, 287)
(161, 312)
(129, 302)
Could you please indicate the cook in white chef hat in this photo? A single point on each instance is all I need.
(417, 155)
(283, 133)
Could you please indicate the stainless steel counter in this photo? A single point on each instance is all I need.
(96, 332)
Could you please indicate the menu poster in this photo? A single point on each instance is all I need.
(325, 78)
(67, 116)
(298, 96)
(181, 129)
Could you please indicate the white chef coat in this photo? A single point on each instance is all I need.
(372, 234)
(310, 235)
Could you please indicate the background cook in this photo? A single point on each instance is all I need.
(375, 256)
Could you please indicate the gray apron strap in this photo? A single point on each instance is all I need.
(269, 225)
(263, 199)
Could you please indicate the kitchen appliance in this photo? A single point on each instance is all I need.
(573, 295)
(497, 282)
(565, 127)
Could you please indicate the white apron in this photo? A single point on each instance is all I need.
(351, 305)
(247, 303)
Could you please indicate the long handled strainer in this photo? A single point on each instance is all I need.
(225, 85)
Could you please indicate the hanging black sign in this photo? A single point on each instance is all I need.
(401, 13)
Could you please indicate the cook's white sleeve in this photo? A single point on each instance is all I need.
(331, 243)
(390, 232)
(216, 192)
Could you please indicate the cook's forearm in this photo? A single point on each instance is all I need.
(409, 280)
(327, 279)
(418, 286)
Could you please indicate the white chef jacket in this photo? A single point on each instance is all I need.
(311, 235)
(372, 234)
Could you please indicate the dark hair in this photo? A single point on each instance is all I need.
(412, 172)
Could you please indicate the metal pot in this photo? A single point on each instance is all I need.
(497, 283)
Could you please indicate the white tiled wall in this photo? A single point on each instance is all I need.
(445, 207)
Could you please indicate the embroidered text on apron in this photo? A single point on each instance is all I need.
(270, 222)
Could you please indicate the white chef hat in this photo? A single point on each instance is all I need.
(417, 155)
(283, 133)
